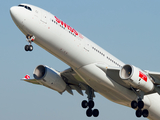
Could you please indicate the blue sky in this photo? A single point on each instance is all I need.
(128, 29)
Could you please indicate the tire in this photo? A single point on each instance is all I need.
(139, 113)
(140, 104)
(91, 104)
(95, 112)
(89, 112)
(145, 113)
(84, 104)
(30, 47)
(134, 104)
(26, 47)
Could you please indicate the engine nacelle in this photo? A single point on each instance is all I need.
(50, 78)
(136, 78)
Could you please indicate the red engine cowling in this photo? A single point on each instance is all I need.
(50, 78)
(136, 78)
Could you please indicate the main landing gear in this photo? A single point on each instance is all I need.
(30, 39)
(139, 106)
(90, 104)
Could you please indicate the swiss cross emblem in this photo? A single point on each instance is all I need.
(143, 76)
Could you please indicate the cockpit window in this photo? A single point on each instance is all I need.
(27, 7)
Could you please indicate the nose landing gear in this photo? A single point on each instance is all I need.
(30, 39)
(90, 104)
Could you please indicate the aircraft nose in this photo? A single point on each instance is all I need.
(17, 15)
(13, 11)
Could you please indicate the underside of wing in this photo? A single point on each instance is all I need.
(134, 78)
(73, 81)
(155, 76)
(113, 73)
(33, 81)
(66, 80)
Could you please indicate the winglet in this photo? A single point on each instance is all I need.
(27, 77)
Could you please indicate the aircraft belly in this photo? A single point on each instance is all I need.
(98, 80)
(154, 109)
(111, 90)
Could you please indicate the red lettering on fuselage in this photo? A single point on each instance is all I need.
(143, 76)
(66, 26)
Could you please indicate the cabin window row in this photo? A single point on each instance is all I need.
(98, 51)
(64, 28)
(113, 62)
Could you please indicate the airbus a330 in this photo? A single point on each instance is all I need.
(92, 69)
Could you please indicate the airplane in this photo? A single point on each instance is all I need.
(92, 69)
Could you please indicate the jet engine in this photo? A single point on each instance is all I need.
(136, 78)
(49, 78)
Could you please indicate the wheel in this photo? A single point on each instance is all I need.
(134, 104)
(84, 104)
(89, 112)
(145, 113)
(140, 104)
(26, 47)
(139, 113)
(30, 47)
(91, 104)
(95, 112)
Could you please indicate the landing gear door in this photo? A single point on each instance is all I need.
(44, 17)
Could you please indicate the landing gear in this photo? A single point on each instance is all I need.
(28, 48)
(139, 105)
(30, 39)
(89, 111)
(139, 111)
(84, 104)
(90, 104)
(145, 113)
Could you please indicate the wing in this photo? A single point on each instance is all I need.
(113, 73)
(34, 81)
(27, 79)
(73, 81)
(155, 76)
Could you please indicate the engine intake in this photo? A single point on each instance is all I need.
(39, 72)
(136, 78)
(126, 72)
(50, 78)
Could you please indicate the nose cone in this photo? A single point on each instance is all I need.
(13, 12)
(16, 15)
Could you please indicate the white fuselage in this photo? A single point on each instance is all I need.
(80, 53)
